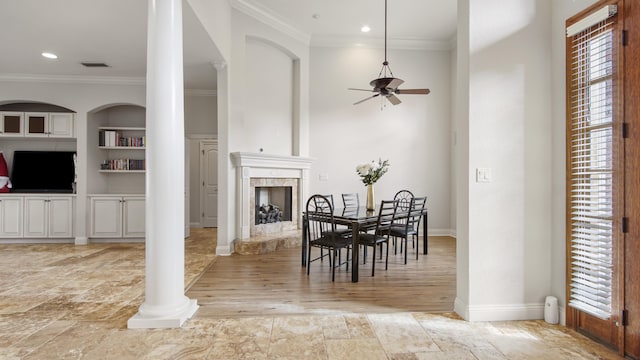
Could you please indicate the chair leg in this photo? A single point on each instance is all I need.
(373, 262)
(406, 249)
(386, 261)
(333, 268)
(308, 259)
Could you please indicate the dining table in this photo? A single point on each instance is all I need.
(358, 218)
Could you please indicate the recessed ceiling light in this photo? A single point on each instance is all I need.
(316, 16)
(49, 55)
(365, 28)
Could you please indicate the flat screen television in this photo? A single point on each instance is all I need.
(42, 172)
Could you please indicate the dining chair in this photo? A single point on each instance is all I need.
(408, 225)
(350, 200)
(404, 199)
(322, 234)
(380, 236)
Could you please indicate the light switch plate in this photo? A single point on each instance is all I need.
(323, 177)
(483, 175)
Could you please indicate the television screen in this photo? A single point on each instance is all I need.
(42, 171)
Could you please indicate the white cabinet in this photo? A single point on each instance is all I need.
(49, 217)
(10, 217)
(117, 216)
(61, 125)
(42, 124)
(133, 217)
(11, 123)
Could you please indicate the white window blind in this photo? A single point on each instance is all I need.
(591, 170)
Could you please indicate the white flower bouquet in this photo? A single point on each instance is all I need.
(372, 171)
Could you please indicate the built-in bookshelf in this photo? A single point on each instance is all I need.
(116, 139)
(122, 138)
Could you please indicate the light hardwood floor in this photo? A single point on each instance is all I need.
(276, 284)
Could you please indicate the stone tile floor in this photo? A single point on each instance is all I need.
(73, 302)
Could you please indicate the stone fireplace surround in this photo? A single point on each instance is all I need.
(254, 169)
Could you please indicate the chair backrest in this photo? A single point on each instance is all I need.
(404, 199)
(415, 214)
(351, 200)
(319, 217)
(386, 215)
(330, 198)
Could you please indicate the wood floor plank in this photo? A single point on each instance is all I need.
(276, 284)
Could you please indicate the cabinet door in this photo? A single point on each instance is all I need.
(36, 124)
(61, 125)
(60, 217)
(10, 217)
(11, 123)
(35, 217)
(134, 216)
(106, 217)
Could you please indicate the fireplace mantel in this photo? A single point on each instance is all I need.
(252, 165)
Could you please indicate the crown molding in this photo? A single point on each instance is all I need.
(267, 17)
(74, 79)
(392, 43)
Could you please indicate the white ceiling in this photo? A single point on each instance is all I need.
(114, 32)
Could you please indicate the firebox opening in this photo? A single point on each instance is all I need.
(273, 204)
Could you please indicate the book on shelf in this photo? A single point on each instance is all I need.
(112, 138)
(123, 164)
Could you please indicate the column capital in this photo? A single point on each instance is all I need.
(219, 64)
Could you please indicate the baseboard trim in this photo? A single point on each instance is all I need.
(442, 232)
(499, 312)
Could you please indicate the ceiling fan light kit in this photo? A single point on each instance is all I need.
(386, 85)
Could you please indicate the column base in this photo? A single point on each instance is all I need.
(163, 322)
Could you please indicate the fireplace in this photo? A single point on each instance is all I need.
(282, 193)
(263, 179)
(273, 204)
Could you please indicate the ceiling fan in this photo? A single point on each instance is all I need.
(386, 85)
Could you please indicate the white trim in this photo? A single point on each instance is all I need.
(224, 250)
(595, 17)
(499, 312)
(266, 16)
(81, 240)
(378, 43)
(75, 79)
(441, 232)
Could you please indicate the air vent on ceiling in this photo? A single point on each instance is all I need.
(94, 64)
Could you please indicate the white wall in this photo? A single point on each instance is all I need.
(200, 114)
(268, 111)
(562, 10)
(414, 136)
(509, 132)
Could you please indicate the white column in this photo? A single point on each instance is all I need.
(165, 304)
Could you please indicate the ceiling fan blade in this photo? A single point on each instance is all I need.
(413, 91)
(365, 99)
(369, 90)
(395, 82)
(393, 99)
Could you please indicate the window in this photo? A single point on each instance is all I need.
(591, 170)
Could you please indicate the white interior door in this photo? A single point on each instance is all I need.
(209, 183)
